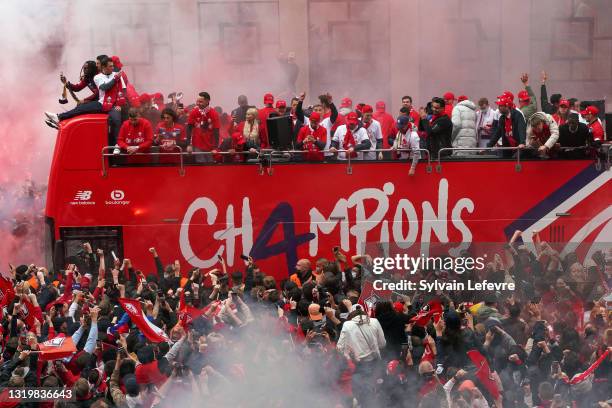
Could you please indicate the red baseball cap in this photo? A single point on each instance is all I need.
(380, 106)
(346, 103)
(352, 118)
(281, 104)
(590, 110)
(503, 100)
(564, 102)
(448, 96)
(268, 99)
(315, 117)
(116, 61)
(462, 98)
(509, 95)
(366, 109)
(523, 96)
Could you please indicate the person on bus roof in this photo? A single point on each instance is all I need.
(203, 128)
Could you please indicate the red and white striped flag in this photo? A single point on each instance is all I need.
(149, 330)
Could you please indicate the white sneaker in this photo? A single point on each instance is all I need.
(52, 117)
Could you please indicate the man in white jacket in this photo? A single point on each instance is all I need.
(464, 126)
(362, 338)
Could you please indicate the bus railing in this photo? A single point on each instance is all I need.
(263, 157)
(518, 166)
(148, 154)
(452, 150)
(349, 160)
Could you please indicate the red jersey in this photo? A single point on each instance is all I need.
(560, 121)
(140, 135)
(313, 153)
(168, 137)
(204, 121)
(448, 110)
(387, 125)
(264, 113)
(597, 130)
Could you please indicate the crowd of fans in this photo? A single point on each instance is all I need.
(141, 123)
(246, 339)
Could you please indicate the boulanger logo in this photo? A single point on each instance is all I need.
(83, 197)
(117, 198)
(117, 195)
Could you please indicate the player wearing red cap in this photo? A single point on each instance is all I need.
(312, 139)
(527, 100)
(350, 137)
(511, 128)
(372, 126)
(561, 116)
(281, 107)
(597, 131)
(346, 106)
(268, 108)
(449, 100)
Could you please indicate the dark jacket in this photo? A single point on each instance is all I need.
(547, 107)
(519, 130)
(439, 134)
(393, 325)
(578, 138)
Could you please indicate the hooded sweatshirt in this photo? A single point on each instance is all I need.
(363, 336)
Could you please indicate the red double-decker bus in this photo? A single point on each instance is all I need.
(194, 213)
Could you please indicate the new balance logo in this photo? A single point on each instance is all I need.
(82, 195)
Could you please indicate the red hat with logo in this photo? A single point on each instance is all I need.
(315, 117)
(509, 95)
(523, 96)
(352, 118)
(366, 109)
(564, 102)
(116, 61)
(449, 96)
(462, 98)
(590, 110)
(281, 104)
(380, 106)
(503, 100)
(346, 103)
(268, 99)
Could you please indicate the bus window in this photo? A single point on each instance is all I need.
(109, 239)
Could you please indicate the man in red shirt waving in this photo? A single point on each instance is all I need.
(203, 128)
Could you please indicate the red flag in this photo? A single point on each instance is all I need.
(187, 313)
(428, 354)
(29, 313)
(7, 293)
(483, 372)
(59, 347)
(370, 296)
(148, 329)
(578, 378)
(432, 309)
(66, 297)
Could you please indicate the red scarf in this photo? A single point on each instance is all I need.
(349, 141)
(508, 129)
(542, 136)
(313, 153)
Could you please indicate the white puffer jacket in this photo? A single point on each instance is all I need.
(464, 125)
